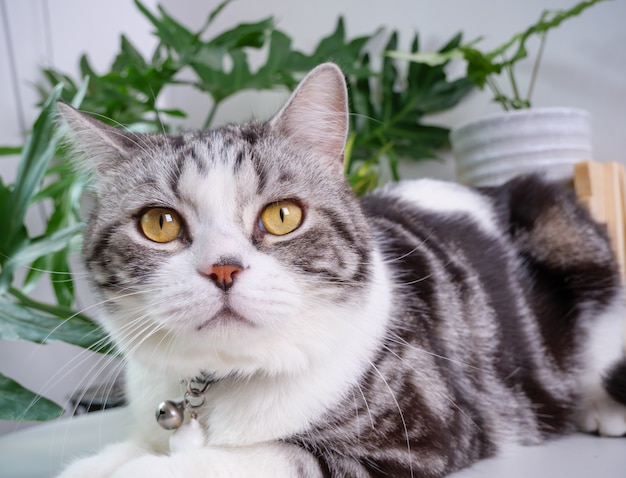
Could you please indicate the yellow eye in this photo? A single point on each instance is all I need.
(282, 217)
(160, 224)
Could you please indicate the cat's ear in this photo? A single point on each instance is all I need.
(316, 114)
(97, 147)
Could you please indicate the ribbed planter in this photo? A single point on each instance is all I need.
(494, 149)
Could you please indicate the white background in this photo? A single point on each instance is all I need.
(584, 66)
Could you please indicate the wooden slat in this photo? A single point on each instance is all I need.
(589, 182)
(602, 189)
(614, 212)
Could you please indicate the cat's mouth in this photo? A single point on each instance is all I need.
(225, 317)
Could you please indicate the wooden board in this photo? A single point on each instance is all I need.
(602, 189)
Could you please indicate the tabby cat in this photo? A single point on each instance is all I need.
(407, 334)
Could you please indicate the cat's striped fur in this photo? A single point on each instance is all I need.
(408, 334)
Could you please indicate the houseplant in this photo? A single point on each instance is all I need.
(386, 123)
(23, 317)
(387, 105)
(523, 139)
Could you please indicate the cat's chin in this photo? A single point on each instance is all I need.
(225, 317)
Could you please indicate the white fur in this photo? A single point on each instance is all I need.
(275, 460)
(316, 357)
(448, 198)
(599, 412)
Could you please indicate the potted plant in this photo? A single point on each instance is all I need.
(495, 148)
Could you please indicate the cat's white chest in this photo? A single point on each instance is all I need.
(252, 413)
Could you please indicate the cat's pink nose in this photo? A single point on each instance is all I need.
(223, 275)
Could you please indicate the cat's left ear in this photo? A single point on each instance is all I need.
(97, 147)
(316, 114)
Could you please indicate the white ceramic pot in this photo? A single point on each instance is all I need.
(496, 148)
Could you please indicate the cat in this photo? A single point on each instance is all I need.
(409, 333)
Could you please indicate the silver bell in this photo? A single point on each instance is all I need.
(170, 415)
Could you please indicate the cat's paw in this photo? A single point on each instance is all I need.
(203, 463)
(603, 415)
(104, 464)
(271, 460)
(155, 466)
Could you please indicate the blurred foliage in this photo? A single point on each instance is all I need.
(21, 316)
(483, 68)
(387, 105)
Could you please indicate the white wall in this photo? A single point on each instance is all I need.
(584, 66)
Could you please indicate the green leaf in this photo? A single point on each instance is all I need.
(62, 282)
(245, 35)
(480, 66)
(210, 56)
(430, 58)
(214, 14)
(128, 56)
(334, 47)
(171, 33)
(10, 150)
(176, 113)
(328, 47)
(363, 118)
(20, 404)
(44, 245)
(452, 44)
(19, 322)
(442, 95)
(277, 70)
(37, 153)
(85, 68)
(54, 189)
(432, 135)
(14, 202)
(389, 78)
(364, 179)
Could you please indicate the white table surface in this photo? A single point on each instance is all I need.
(40, 451)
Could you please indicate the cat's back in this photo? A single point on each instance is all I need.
(448, 200)
(528, 216)
(426, 228)
(527, 239)
(502, 282)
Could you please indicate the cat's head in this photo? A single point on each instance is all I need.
(233, 250)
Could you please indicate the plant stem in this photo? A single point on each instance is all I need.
(397, 117)
(209, 119)
(533, 76)
(347, 153)
(393, 164)
(497, 93)
(511, 74)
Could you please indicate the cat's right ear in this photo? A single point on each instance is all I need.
(96, 147)
(316, 115)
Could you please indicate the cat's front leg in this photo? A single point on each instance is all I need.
(270, 460)
(106, 462)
